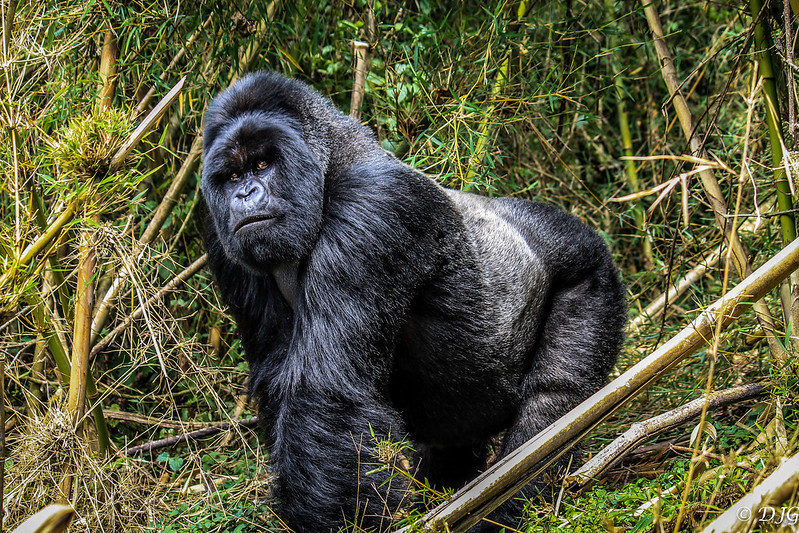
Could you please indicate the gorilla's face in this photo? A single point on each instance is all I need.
(264, 189)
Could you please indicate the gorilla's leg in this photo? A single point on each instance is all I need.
(578, 344)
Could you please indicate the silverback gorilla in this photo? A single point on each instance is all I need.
(372, 304)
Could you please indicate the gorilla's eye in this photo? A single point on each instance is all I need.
(262, 165)
(234, 176)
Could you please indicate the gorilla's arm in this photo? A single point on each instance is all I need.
(334, 378)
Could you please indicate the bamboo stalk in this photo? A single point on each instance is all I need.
(38, 245)
(514, 471)
(82, 329)
(108, 69)
(361, 50)
(172, 195)
(39, 214)
(774, 123)
(708, 179)
(8, 29)
(248, 54)
(782, 185)
(787, 28)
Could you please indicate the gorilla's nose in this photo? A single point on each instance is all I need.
(251, 192)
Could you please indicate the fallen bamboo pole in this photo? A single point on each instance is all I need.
(514, 471)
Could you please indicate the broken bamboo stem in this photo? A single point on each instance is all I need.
(646, 429)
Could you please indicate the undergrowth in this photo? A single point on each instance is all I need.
(478, 96)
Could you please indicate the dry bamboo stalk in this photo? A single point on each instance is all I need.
(81, 382)
(708, 179)
(9, 13)
(108, 69)
(146, 125)
(84, 304)
(510, 474)
(82, 327)
(361, 50)
(758, 505)
(79, 376)
(641, 431)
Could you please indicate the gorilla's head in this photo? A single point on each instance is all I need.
(262, 182)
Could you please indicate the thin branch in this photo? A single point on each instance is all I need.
(137, 418)
(639, 432)
(174, 283)
(192, 435)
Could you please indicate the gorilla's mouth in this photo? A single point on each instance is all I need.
(254, 219)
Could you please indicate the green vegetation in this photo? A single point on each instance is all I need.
(560, 102)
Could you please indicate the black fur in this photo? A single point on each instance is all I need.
(373, 303)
